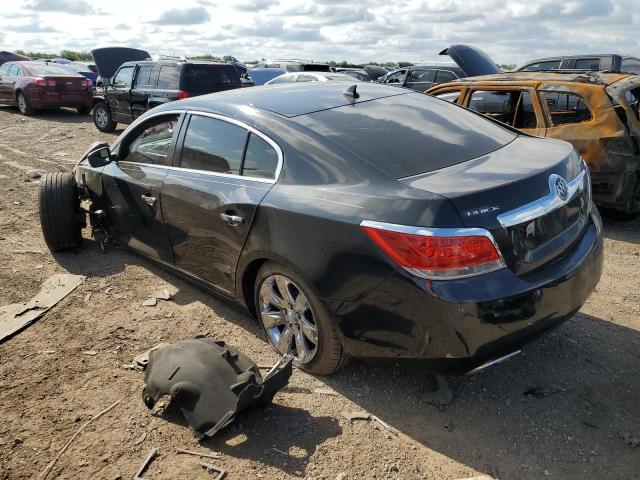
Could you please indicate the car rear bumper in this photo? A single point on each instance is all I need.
(456, 325)
(51, 100)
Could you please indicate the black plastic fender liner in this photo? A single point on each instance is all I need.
(210, 382)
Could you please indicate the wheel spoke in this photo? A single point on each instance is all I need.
(269, 295)
(272, 319)
(302, 348)
(301, 305)
(309, 330)
(284, 344)
(283, 286)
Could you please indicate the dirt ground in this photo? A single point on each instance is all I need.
(562, 410)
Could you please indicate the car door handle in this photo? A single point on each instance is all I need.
(232, 220)
(149, 200)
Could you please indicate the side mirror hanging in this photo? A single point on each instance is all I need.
(99, 155)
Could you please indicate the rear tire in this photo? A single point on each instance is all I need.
(84, 110)
(60, 216)
(102, 117)
(328, 356)
(23, 104)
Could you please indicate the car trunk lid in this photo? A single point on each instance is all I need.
(513, 193)
(471, 60)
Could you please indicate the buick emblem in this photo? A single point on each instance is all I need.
(561, 186)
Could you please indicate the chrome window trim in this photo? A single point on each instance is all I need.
(223, 118)
(443, 232)
(544, 205)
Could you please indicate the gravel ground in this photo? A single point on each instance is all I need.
(562, 410)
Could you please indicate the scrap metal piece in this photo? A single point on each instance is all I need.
(152, 454)
(17, 316)
(213, 469)
(210, 382)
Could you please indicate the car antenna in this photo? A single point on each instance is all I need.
(351, 92)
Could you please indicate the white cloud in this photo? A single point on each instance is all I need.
(510, 31)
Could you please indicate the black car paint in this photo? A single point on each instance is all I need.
(309, 220)
(109, 59)
(473, 61)
(447, 73)
(128, 102)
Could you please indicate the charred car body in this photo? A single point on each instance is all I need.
(132, 83)
(369, 221)
(597, 112)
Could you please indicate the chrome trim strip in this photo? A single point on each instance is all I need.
(544, 205)
(443, 232)
(194, 171)
(495, 361)
(223, 118)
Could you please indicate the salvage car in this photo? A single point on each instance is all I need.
(130, 88)
(609, 62)
(262, 72)
(310, 77)
(597, 112)
(35, 85)
(366, 221)
(421, 77)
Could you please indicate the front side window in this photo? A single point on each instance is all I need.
(587, 64)
(213, 145)
(153, 144)
(169, 77)
(497, 104)
(542, 66)
(565, 108)
(123, 77)
(4, 69)
(13, 71)
(397, 77)
(260, 160)
(281, 79)
(306, 78)
(418, 75)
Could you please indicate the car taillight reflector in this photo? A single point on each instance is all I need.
(436, 253)
(39, 82)
(183, 94)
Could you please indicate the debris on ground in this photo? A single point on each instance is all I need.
(543, 392)
(17, 316)
(210, 382)
(213, 469)
(281, 452)
(150, 302)
(164, 295)
(441, 396)
(152, 455)
(141, 438)
(630, 440)
(91, 353)
(351, 416)
(142, 360)
(342, 476)
(325, 391)
(385, 425)
(214, 455)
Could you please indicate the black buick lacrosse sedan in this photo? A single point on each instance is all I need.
(367, 222)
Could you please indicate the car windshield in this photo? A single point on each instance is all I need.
(410, 134)
(50, 69)
(202, 76)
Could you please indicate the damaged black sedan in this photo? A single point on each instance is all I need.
(362, 221)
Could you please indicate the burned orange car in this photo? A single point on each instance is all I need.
(597, 112)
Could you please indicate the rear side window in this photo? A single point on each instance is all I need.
(208, 77)
(213, 145)
(305, 78)
(587, 64)
(525, 114)
(13, 71)
(168, 77)
(497, 104)
(417, 75)
(409, 134)
(281, 79)
(123, 77)
(565, 108)
(153, 143)
(444, 76)
(144, 76)
(630, 65)
(450, 95)
(261, 160)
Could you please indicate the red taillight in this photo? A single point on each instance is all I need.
(183, 94)
(51, 83)
(39, 82)
(436, 253)
(87, 83)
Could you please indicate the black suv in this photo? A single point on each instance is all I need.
(609, 62)
(136, 85)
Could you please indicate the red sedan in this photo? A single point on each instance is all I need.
(34, 85)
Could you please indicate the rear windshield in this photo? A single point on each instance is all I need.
(406, 135)
(202, 76)
(50, 69)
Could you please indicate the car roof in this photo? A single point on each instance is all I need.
(601, 78)
(175, 62)
(288, 100)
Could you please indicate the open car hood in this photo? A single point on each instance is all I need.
(108, 59)
(11, 57)
(375, 71)
(473, 61)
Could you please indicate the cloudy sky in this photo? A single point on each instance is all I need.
(510, 31)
